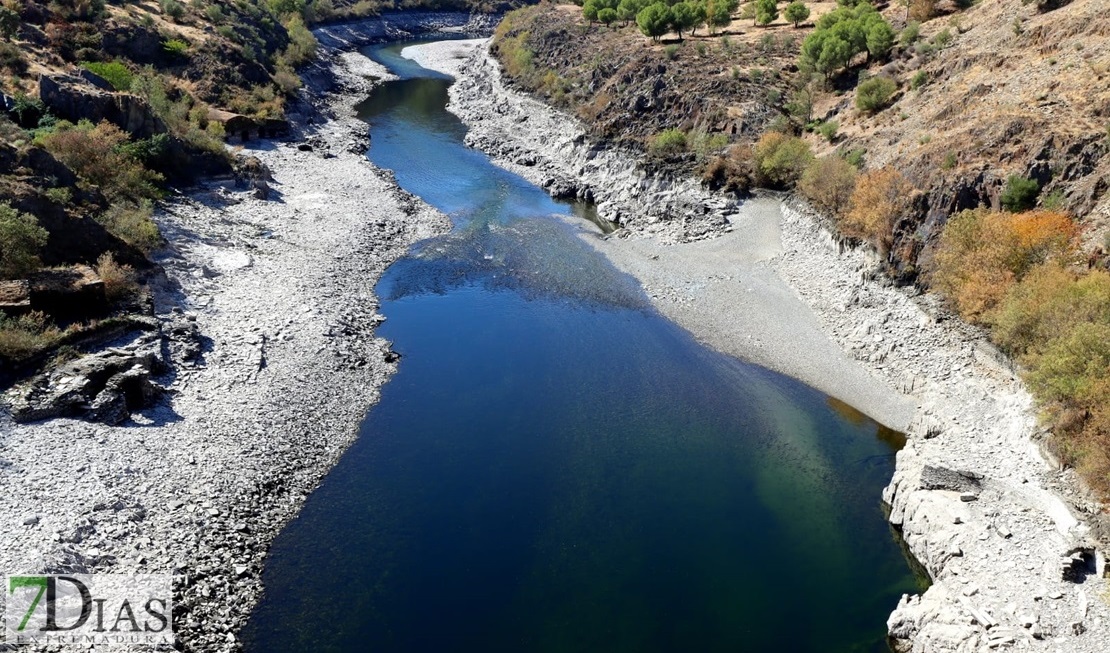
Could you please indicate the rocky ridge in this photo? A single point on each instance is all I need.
(978, 505)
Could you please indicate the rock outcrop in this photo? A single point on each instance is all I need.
(75, 98)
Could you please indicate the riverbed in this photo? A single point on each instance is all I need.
(556, 466)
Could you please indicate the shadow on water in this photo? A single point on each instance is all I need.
(555, 467)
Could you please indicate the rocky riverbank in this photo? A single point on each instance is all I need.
(990, 519)
(263, 341)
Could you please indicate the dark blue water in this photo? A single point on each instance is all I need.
(556, 467)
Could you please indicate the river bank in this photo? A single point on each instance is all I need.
(273, 286)
(976, 502)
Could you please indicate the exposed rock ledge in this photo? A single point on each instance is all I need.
(978, 505)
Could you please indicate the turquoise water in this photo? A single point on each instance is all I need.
(555, 467)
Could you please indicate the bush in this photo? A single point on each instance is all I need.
(21, 238)
(828, 130)
(114, 72)
(174, 9)
(1057, 324)
(919, 79)
(132, 223)
(828, 183)
(302, 44)
(1020, 194)
(766, 11)
(1046, 306)
(119, 280)
(982, 253)
(780, 160)
(12, 58)
(24, 336)
(176, 47)
(98, 155)
(9, 22)
(670, 141)
(874, 94)
(910, 34)
(878, 201)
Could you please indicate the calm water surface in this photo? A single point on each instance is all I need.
(556, 467)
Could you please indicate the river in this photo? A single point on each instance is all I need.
(556, 467)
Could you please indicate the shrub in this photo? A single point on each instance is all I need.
(780, 160)
(98, 155)
(302, 44)
(9, 22)
(671, 52)
(174, 9)
(705, 144)
(828, 183)
(919, 79)
(949, 161)
(982, 253)
(176, 47)
(828, 130)
(1020, 194)
(875, 94)
(119, 280)
(910, 34)
(1046, 305)
(766, 11)
(114, 72)
(24, 336)
(132, 223)
(879, 199)
(21, 238)
(12, 58)
(667, 142)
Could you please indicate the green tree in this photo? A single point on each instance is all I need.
(21, 238)
(880, 37)
(796, 12)
(654, 20)
(591, 9)
(607, 16)
(686, 16)
(766, 11)
(825, 52)
(628, 9)
(718, 13)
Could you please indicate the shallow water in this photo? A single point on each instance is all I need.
(556, 467)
